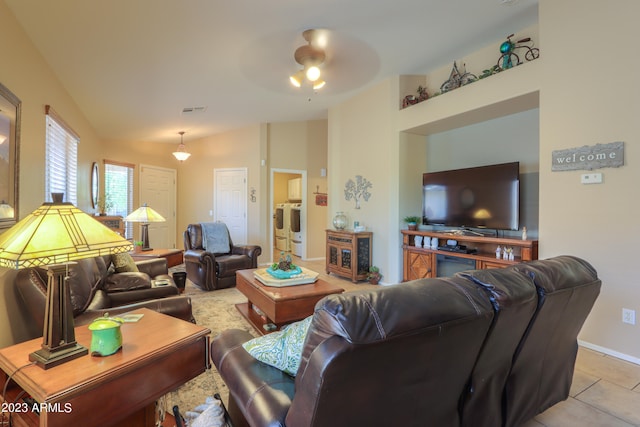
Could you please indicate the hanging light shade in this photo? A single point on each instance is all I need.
(181, 154)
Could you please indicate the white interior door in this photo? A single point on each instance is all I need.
(230, 201)
(158, 191)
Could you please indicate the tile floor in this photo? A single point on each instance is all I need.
(605, 390)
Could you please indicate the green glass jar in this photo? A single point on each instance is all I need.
(106, 337)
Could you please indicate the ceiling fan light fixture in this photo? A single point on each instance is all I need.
(181, 154)
(319, 84)
(310, 57)
(297, 78)
(313, 73)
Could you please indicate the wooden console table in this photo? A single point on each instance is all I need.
(113, 222)
(420, 262)
(349, 253)
(159, 354)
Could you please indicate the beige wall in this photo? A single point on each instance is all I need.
(303, 146)
(587, 99)
(241, 148)
(27, 75)
(363, 141)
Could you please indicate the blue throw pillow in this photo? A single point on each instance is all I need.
(281, 349)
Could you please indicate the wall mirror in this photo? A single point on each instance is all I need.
(10, 107)
(95, 185)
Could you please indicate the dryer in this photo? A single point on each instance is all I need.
(282, 220)
(295, 235)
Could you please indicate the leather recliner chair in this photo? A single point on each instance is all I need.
(211, 271)
(96, 289)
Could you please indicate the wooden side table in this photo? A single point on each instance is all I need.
(173, 256)
(159, 354)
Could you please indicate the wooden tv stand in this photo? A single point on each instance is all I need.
(420, 262)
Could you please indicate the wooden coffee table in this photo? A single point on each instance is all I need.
(270, 308)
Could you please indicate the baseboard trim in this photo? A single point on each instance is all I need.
(609, 352)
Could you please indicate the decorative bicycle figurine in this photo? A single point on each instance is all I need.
(510, 58)
(457, 79)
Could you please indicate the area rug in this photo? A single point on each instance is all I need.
(215, 310)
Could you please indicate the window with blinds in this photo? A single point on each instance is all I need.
(61, 161)
(118, 185)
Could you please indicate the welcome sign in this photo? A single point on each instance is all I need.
(589, 157)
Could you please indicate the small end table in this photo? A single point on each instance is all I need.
(173, 256)
(159, 353)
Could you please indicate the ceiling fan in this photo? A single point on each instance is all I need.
(310, 57)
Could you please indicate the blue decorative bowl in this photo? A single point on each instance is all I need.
(280, 274)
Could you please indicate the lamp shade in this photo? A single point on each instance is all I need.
(144, 214)
(57, 233)
(6, 211)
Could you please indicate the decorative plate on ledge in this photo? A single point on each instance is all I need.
(304, 277)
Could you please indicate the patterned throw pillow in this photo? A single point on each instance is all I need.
(123, 262)
(281, 349)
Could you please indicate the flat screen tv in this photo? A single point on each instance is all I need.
(478, 197)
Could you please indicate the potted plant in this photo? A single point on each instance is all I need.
(412, 222)
(104, 204)
(374, 275)
(137, 246)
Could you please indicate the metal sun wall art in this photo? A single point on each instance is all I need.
(357, 190)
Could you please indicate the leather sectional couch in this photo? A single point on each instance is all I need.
(97, 289)
(482, 348)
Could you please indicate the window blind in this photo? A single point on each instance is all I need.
(61, 159)
(118, 185)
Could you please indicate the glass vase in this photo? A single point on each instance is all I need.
(340, 221)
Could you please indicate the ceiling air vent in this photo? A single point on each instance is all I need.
(193, 110)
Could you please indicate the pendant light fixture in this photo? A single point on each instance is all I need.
(181, 154)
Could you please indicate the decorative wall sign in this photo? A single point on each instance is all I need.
(321, 198)
(597, 156)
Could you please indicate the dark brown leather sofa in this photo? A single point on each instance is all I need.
(96, 289)
(210, 271)
(482, 348)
